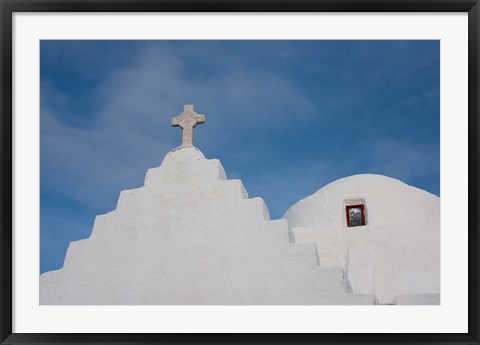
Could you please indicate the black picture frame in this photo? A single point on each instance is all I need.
(9, 7)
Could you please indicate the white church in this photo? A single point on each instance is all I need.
(190, 236)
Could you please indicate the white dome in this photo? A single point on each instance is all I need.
(395, 255)
(386, 200)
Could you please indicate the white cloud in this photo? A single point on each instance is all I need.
(130, 131)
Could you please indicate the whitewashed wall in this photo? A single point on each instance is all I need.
(396, 254)
(190, 236)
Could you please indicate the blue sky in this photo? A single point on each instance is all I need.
(285, 117)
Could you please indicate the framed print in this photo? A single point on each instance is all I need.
(319, 183)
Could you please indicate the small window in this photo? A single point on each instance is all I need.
(355, 215)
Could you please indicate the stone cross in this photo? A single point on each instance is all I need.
(187, 121)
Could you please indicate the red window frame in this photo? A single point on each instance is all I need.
(362, 209)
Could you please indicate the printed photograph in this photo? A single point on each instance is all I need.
(239, 172)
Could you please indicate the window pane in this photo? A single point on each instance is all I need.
(355, 215)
